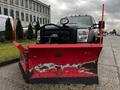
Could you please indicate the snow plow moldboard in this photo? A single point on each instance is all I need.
(63, 63)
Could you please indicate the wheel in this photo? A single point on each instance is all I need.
(91, 37)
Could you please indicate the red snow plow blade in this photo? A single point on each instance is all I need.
(72, 63)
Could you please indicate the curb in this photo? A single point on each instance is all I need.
(8, 62)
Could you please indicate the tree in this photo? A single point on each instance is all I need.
(29, 32)
(8, 30)
(19, 30)
(37, 27)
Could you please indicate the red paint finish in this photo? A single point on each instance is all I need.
(64, 45)
(102, 19)
(58, 74)
(73, 72)
(20, 47)
(63, 54)
(23, 67)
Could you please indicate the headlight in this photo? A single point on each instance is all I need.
(82, 35)
(64, 21)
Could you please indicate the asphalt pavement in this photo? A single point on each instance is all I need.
(108, 69)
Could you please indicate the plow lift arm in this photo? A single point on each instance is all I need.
(61, 63)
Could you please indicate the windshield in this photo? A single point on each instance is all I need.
(81, 21)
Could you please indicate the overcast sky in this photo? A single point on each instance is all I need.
(62, 8)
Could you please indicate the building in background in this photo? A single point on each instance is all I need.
(26, 10)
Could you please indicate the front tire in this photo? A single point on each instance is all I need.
(91, 37)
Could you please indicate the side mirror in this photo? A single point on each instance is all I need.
(100, 24)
